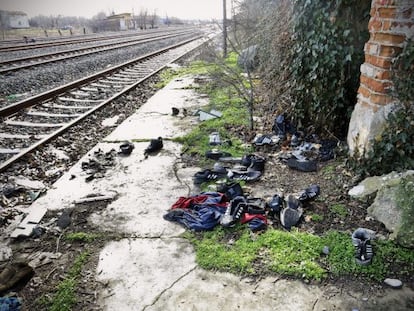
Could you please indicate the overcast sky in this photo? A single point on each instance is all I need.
(185, 9)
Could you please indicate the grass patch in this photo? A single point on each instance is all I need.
(296, 254)
(317, 218)
(339, 210)
(65, 296)
(81, 237)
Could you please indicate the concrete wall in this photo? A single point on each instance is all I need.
(390, 25)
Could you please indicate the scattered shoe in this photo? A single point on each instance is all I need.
(234, 212)
(275, 205)
(216, 154)
(263, 140)
(303, 165)
(253, 162)
(208, 175)
(310, 193)
(257, 224)
(175, 111)
(214, 139)
(126, 148)
(292, 213)
(255, 206)
(154, 146)
(231, 190)
(361, 239)
(248, 176)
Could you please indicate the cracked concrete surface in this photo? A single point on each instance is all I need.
(155, 269)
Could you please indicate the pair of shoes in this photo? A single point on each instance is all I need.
(303, 165)
(231, 190)
(234, 211)
(310, 193)
(361, 239)
(292, 213)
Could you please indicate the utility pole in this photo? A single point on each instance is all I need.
(224, 29)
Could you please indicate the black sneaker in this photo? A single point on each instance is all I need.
(231, 190)
(302, 165)
(207, 175)
(234, 211)
(275, 205)
(361, 239)
(310, 193)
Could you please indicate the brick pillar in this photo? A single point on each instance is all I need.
(391, 24)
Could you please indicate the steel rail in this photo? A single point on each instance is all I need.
(92, 50)
(50, 94)
(30, 46)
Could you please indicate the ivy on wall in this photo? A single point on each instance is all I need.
(327, 53)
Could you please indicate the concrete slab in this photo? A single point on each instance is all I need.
(155, 118)
(139, 271)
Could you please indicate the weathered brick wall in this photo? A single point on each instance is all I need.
(391, 24)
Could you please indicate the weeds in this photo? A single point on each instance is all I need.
(81, 237)
(65, 296)
(339, 210)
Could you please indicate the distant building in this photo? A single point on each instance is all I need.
(118, 22)
(14, 19)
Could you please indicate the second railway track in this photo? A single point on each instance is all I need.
(14, 64)
(30, 123)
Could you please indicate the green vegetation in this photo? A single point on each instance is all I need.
(81, 237)
(235, 116)
(339, 210)
(65, 297)
(317, 217)
(295, 254)
(405, 199)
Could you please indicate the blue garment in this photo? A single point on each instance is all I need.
(9, 304)
(201, 216)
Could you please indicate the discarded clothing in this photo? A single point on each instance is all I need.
(199, 213)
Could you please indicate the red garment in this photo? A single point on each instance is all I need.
(248, 217)
(188, 202)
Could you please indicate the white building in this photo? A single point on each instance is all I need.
(14, 19)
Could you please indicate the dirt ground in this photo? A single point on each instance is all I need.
(332, 176)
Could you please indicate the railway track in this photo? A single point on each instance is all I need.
(40, 59)
(18, 45)
(31, 123)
